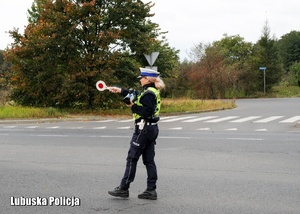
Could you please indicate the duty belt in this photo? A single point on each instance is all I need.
(146, 123)
(149, 123)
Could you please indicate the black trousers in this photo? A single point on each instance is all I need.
(142, 143)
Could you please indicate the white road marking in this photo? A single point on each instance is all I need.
(53, 127)
(198, 119)
(47, 135)
(174, 137)
(176, 128)
(125, 127)
(9, 127)
(232, 129)
(221, 119)
(165, 118)
(261, 130)
(244, 119)
(79, 127)
(31, 127)
(125, 121)
(102, 127)
(291, 120)
(268, 119)
(203, 129)
(112, 136)
(184, 119)
(252, 139)
(176, 119)
(104, 121)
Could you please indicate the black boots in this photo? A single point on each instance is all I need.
(118, 192)
(147, 194)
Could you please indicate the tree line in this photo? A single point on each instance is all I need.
(68, 45)
(230, 67)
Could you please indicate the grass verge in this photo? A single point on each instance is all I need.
(286, 91)
(169, 106)
(19, 112)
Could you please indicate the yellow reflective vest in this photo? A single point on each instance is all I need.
(158, 102)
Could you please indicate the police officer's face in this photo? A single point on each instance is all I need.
(144, 81)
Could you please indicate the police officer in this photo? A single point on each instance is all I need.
(145, 111)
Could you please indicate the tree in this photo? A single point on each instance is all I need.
(237, 53)
(235, 49)
(220, 67)
(70, 44)
(5, 76)
(266, 54)
(289, 48)
(295, 73)
(1, 57)
(210, 75)
(179, 84)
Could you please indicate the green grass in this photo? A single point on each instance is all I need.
(286, 91)
(169, 106)
(12, 112)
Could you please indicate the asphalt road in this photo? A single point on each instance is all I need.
(245, 160)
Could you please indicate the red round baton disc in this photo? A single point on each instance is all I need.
(100, 85)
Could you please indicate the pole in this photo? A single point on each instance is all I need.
(264, 70)
(265, 81)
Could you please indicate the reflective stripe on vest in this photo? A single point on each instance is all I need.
(158, 103)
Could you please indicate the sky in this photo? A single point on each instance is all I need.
(191, 22)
